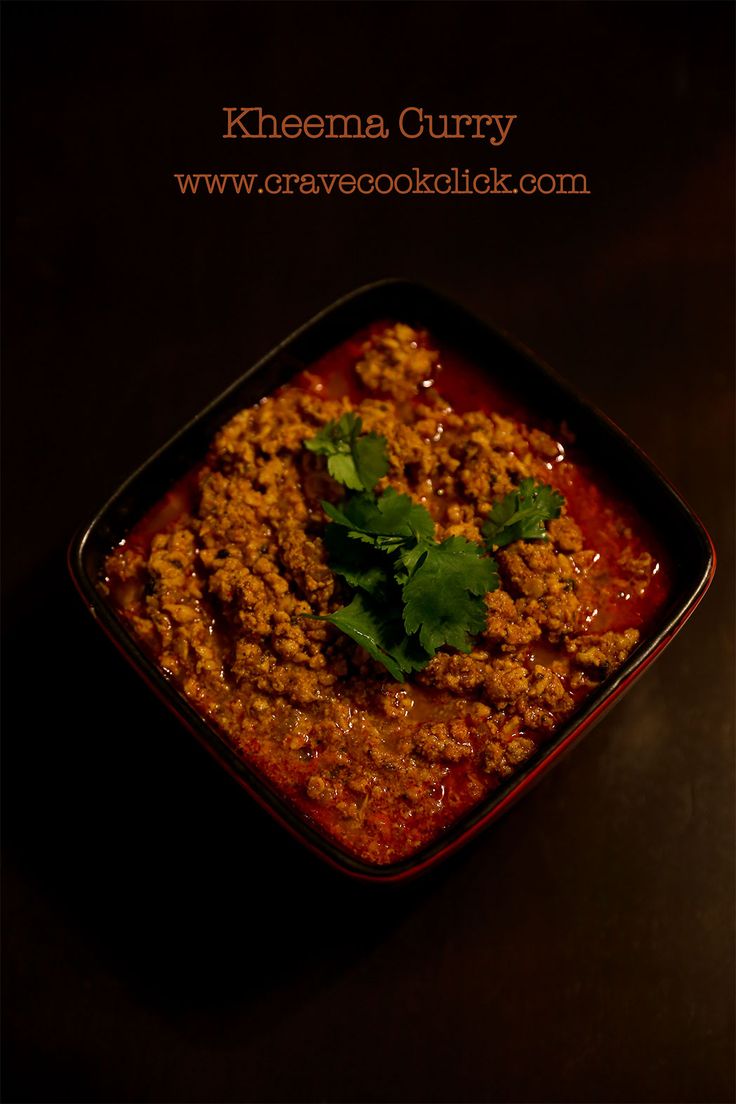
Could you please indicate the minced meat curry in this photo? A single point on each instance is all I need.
(218, 581)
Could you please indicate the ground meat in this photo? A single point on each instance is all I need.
(636, 567)
(506, 625)
(493, 458)
(444, 742)
(501, 759)
(396, 361)
(506, 680)
(566, 535)
(544, 445)
(545, 582)
(223, 591)
(458, 673)
(602, 654)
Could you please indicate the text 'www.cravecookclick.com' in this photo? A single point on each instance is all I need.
(411, 182)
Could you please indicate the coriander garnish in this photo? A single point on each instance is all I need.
(412, 593)
(356, 459)
(522, 513)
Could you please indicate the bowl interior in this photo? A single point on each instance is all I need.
(543, 394)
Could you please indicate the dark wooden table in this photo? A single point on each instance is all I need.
(163, 940)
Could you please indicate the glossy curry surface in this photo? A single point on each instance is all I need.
(216, 580)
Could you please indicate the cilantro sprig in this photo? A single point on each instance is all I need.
(412, 594)
(443, 597)
(389, 530)
(522, 513)
(381, 632)
(354, 458)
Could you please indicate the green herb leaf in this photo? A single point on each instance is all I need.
(412, 595)
(367, 623)
(400, 514)
(356, 459)
(365, 535)
(408, 560)
(361, 566)
(522, 513)
(443, 599)
(385, 521)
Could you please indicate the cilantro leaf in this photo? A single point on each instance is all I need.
(342, 468)
(521, 514)
(370, 459)
(364, 533)
(382, 635)
(356, 459)
(443, 599)
(411, 594)
(408, 560)
(361, 566)
(386, 522)
(400, 514)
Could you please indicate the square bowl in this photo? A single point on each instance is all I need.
(515, 370)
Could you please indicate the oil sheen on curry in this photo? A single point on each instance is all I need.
(221, 583)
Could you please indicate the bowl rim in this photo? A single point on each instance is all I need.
(507, 793)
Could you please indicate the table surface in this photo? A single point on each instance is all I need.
(164, 940)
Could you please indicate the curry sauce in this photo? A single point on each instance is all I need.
(217, 583)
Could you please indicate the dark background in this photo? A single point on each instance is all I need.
(164, 941)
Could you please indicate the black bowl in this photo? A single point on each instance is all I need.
(543, 393)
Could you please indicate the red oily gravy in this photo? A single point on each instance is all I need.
(383, 768)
